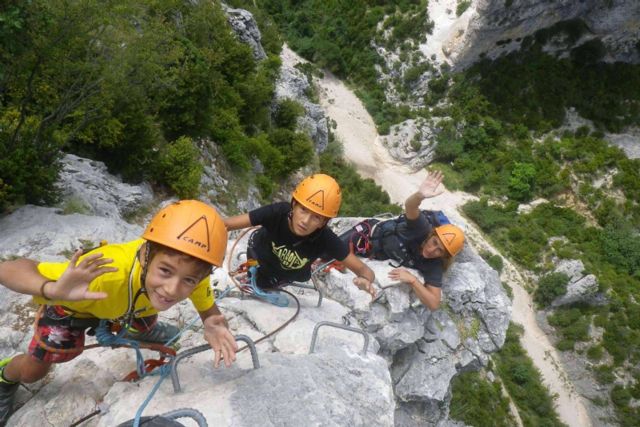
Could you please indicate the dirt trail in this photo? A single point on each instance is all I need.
(357, 132)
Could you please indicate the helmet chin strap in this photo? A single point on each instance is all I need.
(145, 267)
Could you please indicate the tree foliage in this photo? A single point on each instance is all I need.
(125, 82)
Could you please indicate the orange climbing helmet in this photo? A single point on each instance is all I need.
(452, 238)
(320, 194)
(191, 227)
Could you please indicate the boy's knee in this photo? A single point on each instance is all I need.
(33, 370)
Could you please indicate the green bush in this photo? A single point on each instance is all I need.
(295, 147)
(489, 217)
(287, 113)
(494, 260)
(549, 288)
(522, 181)
(524, 383)
(573, 326)
(604, 374)
(180, 168)
(462, 6)
(360, 197)
(595, 353)
(479, 402)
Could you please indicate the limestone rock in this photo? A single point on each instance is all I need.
(580, 288)
(87, 187)
(246, 28)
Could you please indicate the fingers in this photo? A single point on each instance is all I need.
(94, 264)
(371, 290)
(435, 175)
(364, 285)
(95, 295)
(228, 351)
(224, 346)
(75, 256)
(216, 359)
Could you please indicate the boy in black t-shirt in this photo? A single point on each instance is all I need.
(293, 235)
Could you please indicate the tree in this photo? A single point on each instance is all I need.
(521, 182)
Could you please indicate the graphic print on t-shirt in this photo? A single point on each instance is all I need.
(289, 259)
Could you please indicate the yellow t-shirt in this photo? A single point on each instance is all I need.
(116, 285)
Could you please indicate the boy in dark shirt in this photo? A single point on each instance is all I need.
(293, 235)
(416, 244)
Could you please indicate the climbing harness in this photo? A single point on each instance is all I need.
(389, 240)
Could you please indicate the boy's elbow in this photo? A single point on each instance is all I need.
(434, 305)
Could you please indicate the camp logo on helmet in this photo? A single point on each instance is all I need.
(317, 199)
(448, 237)
(203, 224)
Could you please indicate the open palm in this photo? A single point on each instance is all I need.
(429, 187)
(73, 285)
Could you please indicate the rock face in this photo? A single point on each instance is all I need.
(87, 186)
(614, 22)
(581, 287)
(221, 192)
(403, 379)
(294, 84)
(246, 29)
(427, 349)
(412, 142)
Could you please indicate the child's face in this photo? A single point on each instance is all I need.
(433, 248)
(170, 279)
(304, 222)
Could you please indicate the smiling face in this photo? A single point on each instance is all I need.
(172, 277)
(304, 222)
(433, 247)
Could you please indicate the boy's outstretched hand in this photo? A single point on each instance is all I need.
(73, 285)
(429, 187)
(220, 339)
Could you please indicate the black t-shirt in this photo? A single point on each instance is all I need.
(411, 237)
(284, 255)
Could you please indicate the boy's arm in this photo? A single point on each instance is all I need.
(22, 276)
(366, 276)
(237, 222)
(217, 334)
(428, 295)
(427, 189)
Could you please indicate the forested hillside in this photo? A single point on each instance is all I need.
(140, 86)
(133, 84)
(497, 137)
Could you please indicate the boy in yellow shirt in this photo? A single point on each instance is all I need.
(129, 282)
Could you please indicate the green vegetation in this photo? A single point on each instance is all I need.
(489, 146)
(536, 88)
(462, 6)
(573, 326)
(337, 36)
(134, 84)
(549, 288)
(360, 197)
(478, 402)
(494, 260)
(524, 383)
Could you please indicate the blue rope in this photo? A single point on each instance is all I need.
(224, 293)
(108, 339)
(182, 331)
(164, 371)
